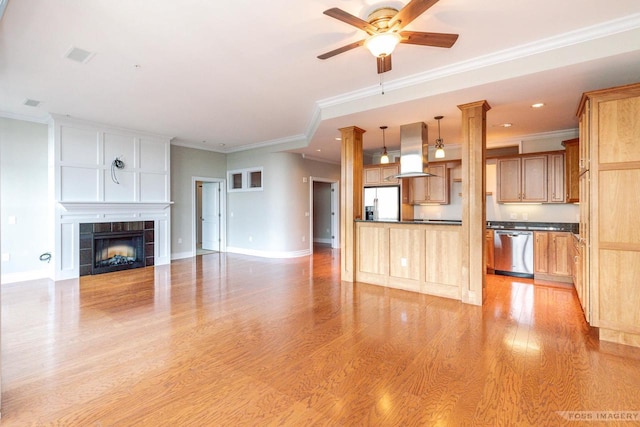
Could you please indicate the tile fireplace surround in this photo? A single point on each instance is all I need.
(87, 231)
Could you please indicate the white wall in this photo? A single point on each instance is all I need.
(24, 192)
(273, 222)
(187, 163)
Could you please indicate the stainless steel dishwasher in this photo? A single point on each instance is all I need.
(513, 252)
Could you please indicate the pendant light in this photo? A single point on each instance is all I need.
(439, 142)
(385, 157)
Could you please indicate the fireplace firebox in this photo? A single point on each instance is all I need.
(115, 246)
(117, 251)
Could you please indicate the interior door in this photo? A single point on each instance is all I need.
(211, 216)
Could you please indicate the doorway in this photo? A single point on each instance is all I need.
(208, 219)
(324, 223)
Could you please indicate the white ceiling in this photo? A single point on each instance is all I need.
(245, 73)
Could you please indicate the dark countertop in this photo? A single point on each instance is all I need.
(498, 225)
(417, 221)
(571, 227)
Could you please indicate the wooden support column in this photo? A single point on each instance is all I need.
(350, 198)
(474, 135)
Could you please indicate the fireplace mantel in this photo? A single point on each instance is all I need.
(102, 207)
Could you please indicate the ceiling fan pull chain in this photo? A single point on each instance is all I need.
(382, 83)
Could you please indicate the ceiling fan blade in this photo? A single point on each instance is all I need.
(411, 11)
(384, 64)
(341, 49)
(428, 39)
(348, 18)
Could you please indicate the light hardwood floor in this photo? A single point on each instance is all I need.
(234, 340)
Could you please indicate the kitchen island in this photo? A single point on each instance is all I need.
(418, 256)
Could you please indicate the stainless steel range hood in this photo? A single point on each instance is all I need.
(414, 152)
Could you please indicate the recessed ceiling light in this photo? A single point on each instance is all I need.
(318, 150)
(338, 138)
(506, 125)
(31, 102)
(79, 55)
(222, 144)
(537, 105)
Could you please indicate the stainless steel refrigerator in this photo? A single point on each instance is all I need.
(383, 202)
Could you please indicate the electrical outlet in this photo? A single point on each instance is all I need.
(251, 238)
(403, 262)
(513, 216)
(179, 240)
(304, 238)
(525, 216)
(304, 179)
(306, 214)
(6, 257)
(11, 220)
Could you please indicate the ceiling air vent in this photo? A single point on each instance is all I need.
(31, 102)
(79, 55)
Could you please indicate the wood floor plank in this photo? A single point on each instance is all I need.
(224, 339)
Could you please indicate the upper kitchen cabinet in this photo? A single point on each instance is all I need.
(611, 173)
(556, 178)
(378, 174)
(572, 170)
(522, 179)
(432, 189)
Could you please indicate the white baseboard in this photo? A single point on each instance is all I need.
(321, 240)
(24, 276)
(181, 255)
(269, 254)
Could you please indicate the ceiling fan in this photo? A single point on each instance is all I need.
(384, 27)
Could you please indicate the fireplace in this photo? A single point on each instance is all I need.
(117, 251)
(115, 246)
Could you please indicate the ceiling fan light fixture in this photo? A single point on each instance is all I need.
(382, 44)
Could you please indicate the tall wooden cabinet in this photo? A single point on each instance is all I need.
(610, 173)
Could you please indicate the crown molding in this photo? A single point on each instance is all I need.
(515, 140)
(293, 139)
(42, 120)
(627, 23)
(318, 159)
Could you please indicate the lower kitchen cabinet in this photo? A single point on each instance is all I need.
(551, 259)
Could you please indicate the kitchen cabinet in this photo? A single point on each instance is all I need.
(556, 178)
(610, 173)
(522, 179)
(378, 174)
(577, 274)
(431, 189)
(572, 170)
(488, 250)
(551, 256)
(540, 252)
